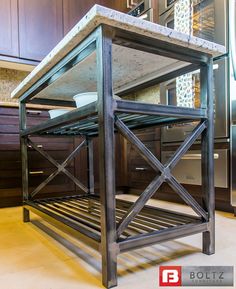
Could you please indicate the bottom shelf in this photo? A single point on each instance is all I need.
(83, 214)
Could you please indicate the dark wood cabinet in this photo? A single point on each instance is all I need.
(9, 28)
(119, 5)
(139, 173)
(39, 167)
(74, 10)
(120, 163)
(40, 27)
(30, 29)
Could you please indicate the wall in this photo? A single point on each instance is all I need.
(149, 95)
(9, 79)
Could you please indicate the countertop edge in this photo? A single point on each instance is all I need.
(29, 105)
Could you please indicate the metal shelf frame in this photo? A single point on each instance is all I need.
(113, 226)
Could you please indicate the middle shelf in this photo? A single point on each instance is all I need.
(135, 115)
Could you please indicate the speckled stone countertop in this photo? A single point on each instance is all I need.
(101, 15)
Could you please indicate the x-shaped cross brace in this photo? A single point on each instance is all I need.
(60, 167)
(164, 173)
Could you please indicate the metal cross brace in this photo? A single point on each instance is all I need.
(164, 173)
(60, 167)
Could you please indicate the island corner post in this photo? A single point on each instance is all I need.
(110, 243)
(106, 155)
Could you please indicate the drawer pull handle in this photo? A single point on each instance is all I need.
(194, 157)
(197, 157)
(36, 172)
(38, 146)
(34, 112)
(140, 169)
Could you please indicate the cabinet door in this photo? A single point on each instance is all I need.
(74, 10)
(9, 28)
(120, 5)
(40, 27)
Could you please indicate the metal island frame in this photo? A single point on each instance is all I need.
(110, 225)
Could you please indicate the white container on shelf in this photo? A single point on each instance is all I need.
(85, 98)
(57, 112)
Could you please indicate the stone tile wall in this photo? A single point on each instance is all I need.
(9, 79)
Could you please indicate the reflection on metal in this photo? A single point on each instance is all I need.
(232, 85)
(233, 166)
(232, 32)
(211, 17)
(188, 170)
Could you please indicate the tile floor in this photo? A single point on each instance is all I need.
(38, 256)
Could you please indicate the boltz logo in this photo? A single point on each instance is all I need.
(170, 275)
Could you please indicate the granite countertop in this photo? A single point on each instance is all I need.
(101, 15)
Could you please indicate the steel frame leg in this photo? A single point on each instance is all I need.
(90, 167)
(208, 239)
(106, 157)
(90, 171)
(24, 162)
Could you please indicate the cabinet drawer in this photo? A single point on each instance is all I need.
(59, 156)
(136, 160)
(188, 170)
(9, 142)
(14, 111)
(65, 148)
(12, 142)
(140, 173)
(9, 111)
(148, 134)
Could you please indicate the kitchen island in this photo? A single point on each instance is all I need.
(111, 52)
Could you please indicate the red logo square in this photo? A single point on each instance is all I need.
(170, 276)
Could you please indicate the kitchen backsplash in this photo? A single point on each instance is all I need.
(149, 95)
(9, 79)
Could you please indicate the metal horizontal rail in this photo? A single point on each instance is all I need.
(91, 238)
(159, 109)
(65, 119)
(159, 47)
(53, 102)
(78, 54)
(153, 210)
(159, 79)
(140, 241)
(83, 213)
(85, 121)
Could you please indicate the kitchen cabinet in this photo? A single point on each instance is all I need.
(39, 168)
(139, 173)
(120, 5)
(74, 10)
(9, 28)
(40, 27)
(121, 165)
(30, 29)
